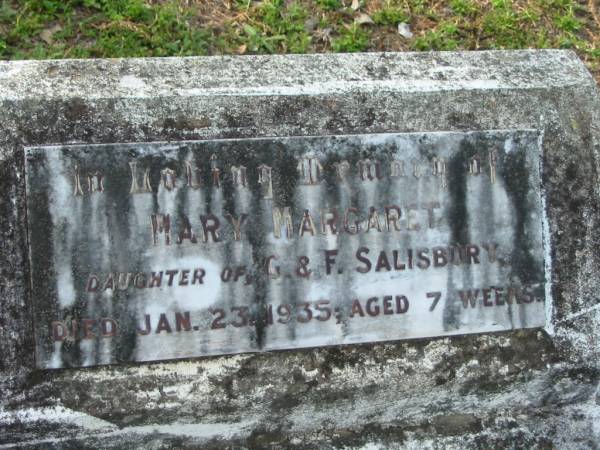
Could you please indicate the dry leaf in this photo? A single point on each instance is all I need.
(355, 4)
(363, 19)
(241, 49)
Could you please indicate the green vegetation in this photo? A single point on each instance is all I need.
(128, 28)
(352, 38)
(390, 16)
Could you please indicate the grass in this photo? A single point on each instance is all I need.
(128, 28)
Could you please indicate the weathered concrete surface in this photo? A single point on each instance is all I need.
(527, 389)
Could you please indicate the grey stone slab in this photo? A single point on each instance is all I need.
(290, 75)
(527, 387)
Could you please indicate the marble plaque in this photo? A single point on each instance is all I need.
(163, 250)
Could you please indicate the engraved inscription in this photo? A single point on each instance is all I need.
(274, 243)
(265, 181)
(135, 187)
(310, 169)
(238, 175)
(95, 182)
(192, 176)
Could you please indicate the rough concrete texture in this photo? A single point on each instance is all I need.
(520, 389)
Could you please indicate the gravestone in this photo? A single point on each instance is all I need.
(376, 250)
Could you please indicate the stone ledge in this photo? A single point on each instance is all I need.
(291, 75)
